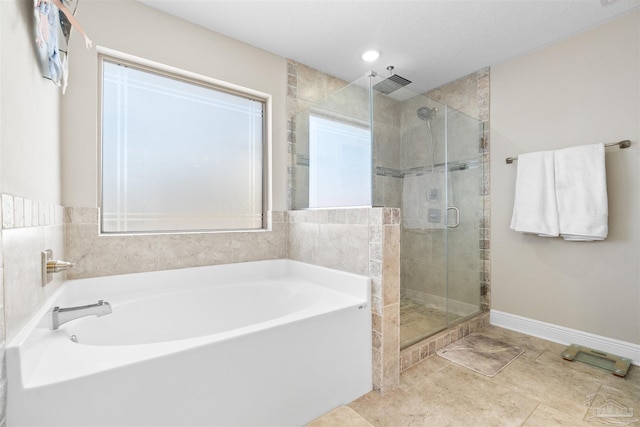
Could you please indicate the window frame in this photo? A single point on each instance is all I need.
(179, 74)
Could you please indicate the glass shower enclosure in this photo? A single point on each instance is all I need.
(332, 150)
(359, 147)
(439, 185)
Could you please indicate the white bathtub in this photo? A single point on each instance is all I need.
(268, 343)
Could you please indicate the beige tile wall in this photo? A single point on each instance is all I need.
(362, 241)
(106, 255)
(28, 227)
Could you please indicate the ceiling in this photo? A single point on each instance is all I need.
(430, 42)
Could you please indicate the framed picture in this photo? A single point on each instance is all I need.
(54, 20)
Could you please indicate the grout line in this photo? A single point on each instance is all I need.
(529, 416)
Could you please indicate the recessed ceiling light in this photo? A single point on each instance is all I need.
(370, 55)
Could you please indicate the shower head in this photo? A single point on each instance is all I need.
(426, 113)
(391, 83)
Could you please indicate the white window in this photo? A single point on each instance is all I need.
(179, 154)
(339, 163)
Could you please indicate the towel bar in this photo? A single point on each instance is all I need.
(622, 144)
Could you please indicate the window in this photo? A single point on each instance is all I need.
(179, 154)
(339, 163)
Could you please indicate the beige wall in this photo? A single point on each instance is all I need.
(135, 29)
(30, 168)
(30, 131)
(583, 90)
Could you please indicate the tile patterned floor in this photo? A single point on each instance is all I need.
(539, 389)
(417, 321)
(340, 417)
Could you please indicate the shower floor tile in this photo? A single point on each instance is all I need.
(418, 321)
(538, 389)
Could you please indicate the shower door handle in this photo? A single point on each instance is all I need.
(457, 211)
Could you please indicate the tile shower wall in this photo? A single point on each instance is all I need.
(107, 255)
(361, 241)
(387, 152)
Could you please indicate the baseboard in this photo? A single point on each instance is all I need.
(562, 335)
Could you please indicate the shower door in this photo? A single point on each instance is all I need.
(442, 211)
(465, 226)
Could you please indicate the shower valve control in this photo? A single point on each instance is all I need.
(50, 266)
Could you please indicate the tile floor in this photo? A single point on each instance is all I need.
(538, 389)
(418, 321)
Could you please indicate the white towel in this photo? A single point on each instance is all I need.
(535, 209)
(581, 192)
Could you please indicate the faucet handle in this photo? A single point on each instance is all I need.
(50, 266)
(56, 266)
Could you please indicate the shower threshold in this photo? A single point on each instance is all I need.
(428, 346)
(413, 331)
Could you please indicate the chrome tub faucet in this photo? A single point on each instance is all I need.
(67, 314)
